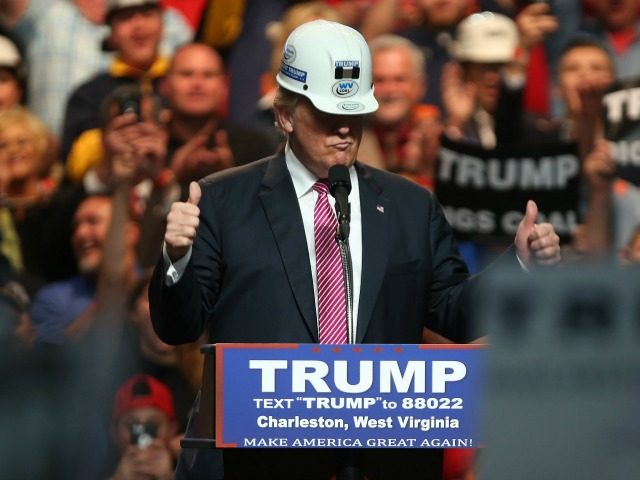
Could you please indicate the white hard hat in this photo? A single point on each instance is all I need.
(9, 54)
(115, 5)
(485, 37)
(330, 64)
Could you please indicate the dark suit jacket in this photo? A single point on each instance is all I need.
(249, 279)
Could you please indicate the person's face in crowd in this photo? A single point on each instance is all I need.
(398, 86)
(91, 223)
(19, 152)
(487, 79)
(321, 140)
(444, 14)
(10, 89)
(616, 14)
(584, 67)
(136, 33)
(166, 429)
(196, 84)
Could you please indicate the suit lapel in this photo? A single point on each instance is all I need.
(375, 240)
(283, 213)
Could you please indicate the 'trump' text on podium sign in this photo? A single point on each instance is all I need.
(347, 396)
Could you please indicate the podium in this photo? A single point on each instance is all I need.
(201, 430)
(328, 406)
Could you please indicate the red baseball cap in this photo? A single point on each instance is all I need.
(143, 391)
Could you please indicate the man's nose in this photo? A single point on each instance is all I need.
(344, 129)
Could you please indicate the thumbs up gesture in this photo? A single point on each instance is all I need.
(536, 242)
(182, 224)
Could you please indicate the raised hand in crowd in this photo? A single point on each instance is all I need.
(598, 168)
(135, 145)
(423, 146)
(205, 153)
(535, 22)
(458, 98)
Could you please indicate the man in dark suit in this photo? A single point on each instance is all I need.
(240, 260)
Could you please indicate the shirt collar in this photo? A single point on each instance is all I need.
(158, 69)
(303, 179)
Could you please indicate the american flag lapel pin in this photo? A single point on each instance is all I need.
(380, 208)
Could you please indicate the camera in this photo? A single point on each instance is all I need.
(142, 434)
(127, 98)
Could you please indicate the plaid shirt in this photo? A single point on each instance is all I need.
(64, 50)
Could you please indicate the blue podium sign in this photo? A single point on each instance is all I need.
(348, 396)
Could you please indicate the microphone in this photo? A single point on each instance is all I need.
(339, 187)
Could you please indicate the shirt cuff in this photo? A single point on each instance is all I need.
(174, 271)
(522, 264)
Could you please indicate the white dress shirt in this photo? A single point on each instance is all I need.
(303, 181)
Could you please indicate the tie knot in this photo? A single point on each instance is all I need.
(321, 187)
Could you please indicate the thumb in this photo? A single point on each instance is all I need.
(194, 193)
(530, 215)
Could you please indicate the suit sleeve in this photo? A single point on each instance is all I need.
(453, 291)
(181, 312)
(448, 295)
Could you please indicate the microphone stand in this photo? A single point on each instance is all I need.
(348, 469)
(342, 237)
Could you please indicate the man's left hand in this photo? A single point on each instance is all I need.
(536, 243)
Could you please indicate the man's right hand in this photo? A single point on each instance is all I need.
(182, 224)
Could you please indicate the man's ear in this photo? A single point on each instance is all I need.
(284, 119)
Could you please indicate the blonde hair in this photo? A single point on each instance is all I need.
(18, 115)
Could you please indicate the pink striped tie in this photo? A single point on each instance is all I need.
(332, 305)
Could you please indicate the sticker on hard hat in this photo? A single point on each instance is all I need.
(345, 88)
(291, 72)
(350, 106)
(289, 53)
(347, 69)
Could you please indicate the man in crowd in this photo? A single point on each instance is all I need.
(483, 92)
(143, 427)
(136, 30)
(246, 256)
(63, 311)
(200, 140)
(63, 40)
(404, 133)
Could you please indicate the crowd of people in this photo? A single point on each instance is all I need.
(110, 110)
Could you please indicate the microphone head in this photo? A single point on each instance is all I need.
(339, 178)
